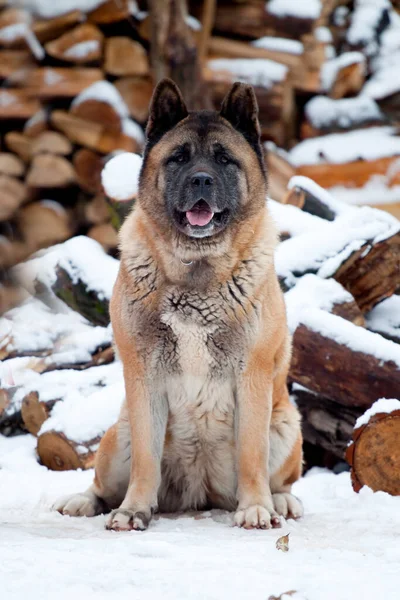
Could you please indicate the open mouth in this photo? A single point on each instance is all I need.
(201, 219)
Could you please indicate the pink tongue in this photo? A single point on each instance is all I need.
(199, 217)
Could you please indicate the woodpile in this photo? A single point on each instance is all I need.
(76, 88)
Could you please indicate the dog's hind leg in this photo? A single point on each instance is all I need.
(111, 479)
(285, 455)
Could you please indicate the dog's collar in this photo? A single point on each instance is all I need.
(186, 263)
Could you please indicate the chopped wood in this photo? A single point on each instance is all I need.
(49, 29)
(96, 211)
(20, 144)
(14, 64)
(92, 135)
(34, 413)
(124, 57)
(60, 82)
(80, 45)
(13, 193)
(16, 104)
(10, 296)
(323, 361)
(349, 81)
(207, 23)
(110, 12)
(136, 93)
(43, 224)
(13, 26)
(88, 166)
(10, 413)
(76, 295)
(12, 165)
(36, 124)
(58, 453)
(106, 235)
(51, 142)
(98, 112)
(374, 454)
(50, 171)
(279, 171)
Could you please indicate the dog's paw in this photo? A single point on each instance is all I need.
(256, 517)
(287, 505)
(123, 519)
(77, 505)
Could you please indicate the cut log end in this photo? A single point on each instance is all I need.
(34, 413)
(57, 453)
(374, 454)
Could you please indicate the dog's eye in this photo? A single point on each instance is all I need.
(223, 159)
(180, 158)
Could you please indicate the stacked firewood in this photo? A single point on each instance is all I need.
(76, 85)
(340, 269)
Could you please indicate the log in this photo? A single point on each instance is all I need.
(136, 93)
(10, 413)
(343, 76)
(20, 144)
(14, 63)
(11, 165)
(16, 104)
(99, 112)
(10, 296)
(60, 82)
(75, 293)
(374, 454)
(81, 45)
(43, 224)
(51, 142)
(92, 135)
(317, 201)
(384, 318)
(35, 413)
(50, 171)
(37, 124)
(106, 235)
(110, 12)
(280, 172)
(13, 27)
(88, 166)
(13, 193)
(96, 211)
(325, 423)
(353, 365)
(57, 453)
(124, 57)
(49, 29)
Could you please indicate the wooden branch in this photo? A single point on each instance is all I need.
(354, 378)
(374, 454)
(124, 57)
(92, 135)
(80, 45)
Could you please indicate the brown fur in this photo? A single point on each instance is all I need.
(218, 323)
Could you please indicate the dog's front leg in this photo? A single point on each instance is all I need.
(253, 417)
(148, 414)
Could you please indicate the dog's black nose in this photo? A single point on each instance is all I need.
(202, 180)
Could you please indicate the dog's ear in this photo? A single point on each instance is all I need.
(240, 108)
(167, 108)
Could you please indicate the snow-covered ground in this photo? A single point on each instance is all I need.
(347, 545)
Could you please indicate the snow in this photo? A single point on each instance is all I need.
(364, 23)
(339, 550)
(49, 9)
(82, 257)
(12, 33)
(279, 45)
(103, 91)
(313, 292)
(289, 8)
(331, 68)
(384, 318)
(310, 186)
(131, 128)
(82, 421)
(345, 333)
(323, 34)
(375, 192)
(68, 336)
(82, 49)
(325, 113)
(257, 71)
(383, 83)
(292, 220)
(120, 176)
(383, 405)
(318, 252)
(338, 148)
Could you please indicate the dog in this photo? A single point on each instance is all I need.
(200, 326)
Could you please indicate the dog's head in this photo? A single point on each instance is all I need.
(202, 171)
